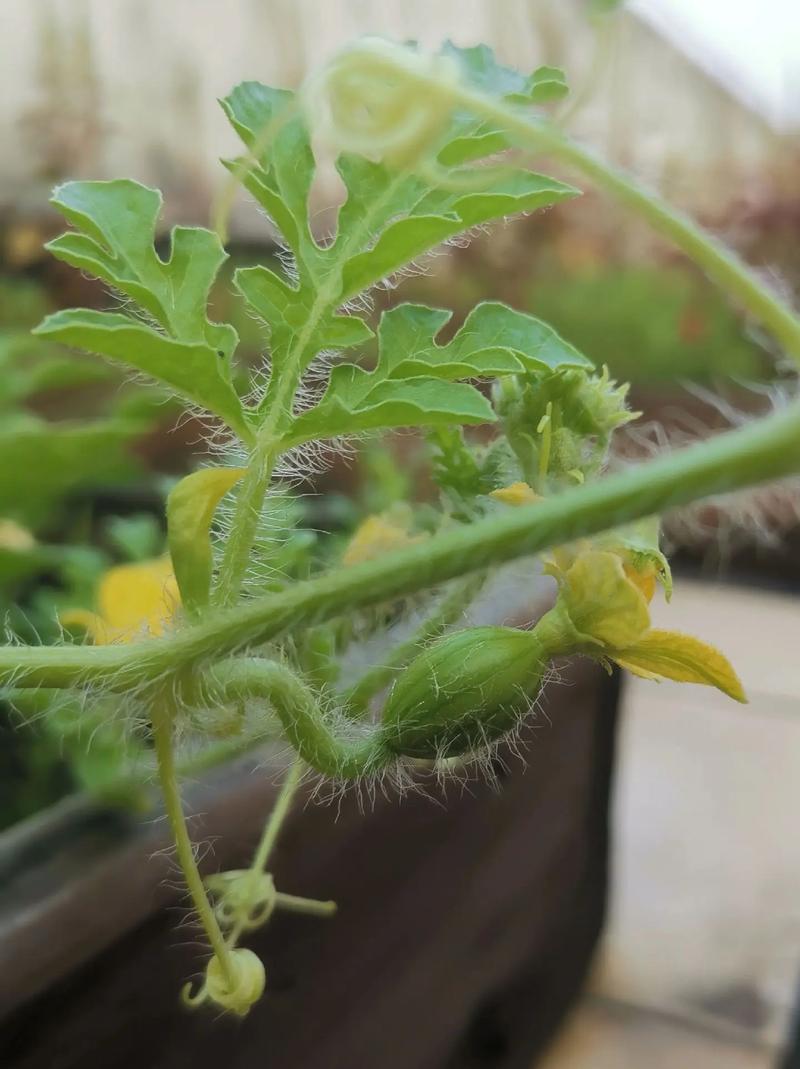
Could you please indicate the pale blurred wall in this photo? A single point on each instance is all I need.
(97, 88)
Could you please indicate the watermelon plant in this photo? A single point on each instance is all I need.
(240, 631)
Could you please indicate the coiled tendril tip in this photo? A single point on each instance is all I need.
(384, 101)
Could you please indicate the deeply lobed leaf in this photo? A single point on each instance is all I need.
(414, 380)
(114, 241)
(389, 216)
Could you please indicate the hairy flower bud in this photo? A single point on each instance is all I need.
(465, 690)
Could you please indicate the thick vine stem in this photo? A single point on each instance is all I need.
(766, 449)
(330, 744)
(721, 264)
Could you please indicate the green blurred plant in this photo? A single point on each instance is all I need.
(649, 325)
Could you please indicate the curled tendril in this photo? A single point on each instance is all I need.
(381, 100)
(248, 981)
(245, 899)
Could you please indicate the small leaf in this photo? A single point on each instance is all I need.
(193, 369)
(286, 309)
(399, 393)
(496, 340)
(403, 403)
(545, 84)
(275, 132)
(436, 215)
(481, 69)
(671, 655)
(190, 511)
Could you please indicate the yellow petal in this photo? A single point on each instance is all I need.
(638, 546)
(644, 580)
(602, 602)
(516, 494)
(671, 655)
(374, 537)
(138, 598)
(94, 626)
(16, 538)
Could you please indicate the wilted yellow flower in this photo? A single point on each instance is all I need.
(376, 536)
(606, 599)
(14, 537)
(516, 494)
(133, 601)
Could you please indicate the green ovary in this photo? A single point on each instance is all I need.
(465, 691)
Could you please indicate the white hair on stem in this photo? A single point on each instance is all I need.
(722, 524)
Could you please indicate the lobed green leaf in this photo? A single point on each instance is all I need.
(194, 370)
(413, 382)
(389, 217)
(115, 231)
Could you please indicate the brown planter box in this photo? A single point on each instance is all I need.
(466, 920)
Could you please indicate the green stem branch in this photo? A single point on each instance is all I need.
(327, 743)
(165, 757)
(766, 449)
(239, 545)
(278, 815)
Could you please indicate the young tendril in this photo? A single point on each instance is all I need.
(420, 89)
(246, 899)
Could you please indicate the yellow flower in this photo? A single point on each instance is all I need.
(606, 598)
(516, 494)
(15, 538)
(133, 601)
(636, 545)
(376, 536)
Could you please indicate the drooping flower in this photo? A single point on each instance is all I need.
(606, 585)
(15, 538)
(516, 494)
(133, 601)
(606, 599)
(378, 535)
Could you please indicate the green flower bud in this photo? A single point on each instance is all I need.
(235, 986)
(465, 690)
(249, 981)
